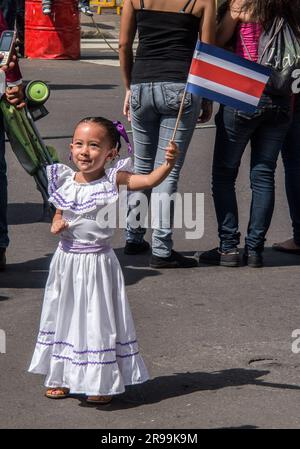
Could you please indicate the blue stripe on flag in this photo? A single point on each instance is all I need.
(233, 58)
(220, 98)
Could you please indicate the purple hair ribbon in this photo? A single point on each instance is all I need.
(121, 130)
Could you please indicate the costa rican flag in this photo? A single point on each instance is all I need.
(226, 78)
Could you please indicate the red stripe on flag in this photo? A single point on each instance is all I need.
(227, 78)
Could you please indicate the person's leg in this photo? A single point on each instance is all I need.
(145, 130)
(234, 130)
(4, 240)
(8, 8)
(167, 97)
(266, 144)
(291, 161)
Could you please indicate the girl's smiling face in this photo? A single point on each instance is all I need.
(91, 148)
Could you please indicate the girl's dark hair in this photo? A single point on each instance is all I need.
(265, 11)
(113, 133)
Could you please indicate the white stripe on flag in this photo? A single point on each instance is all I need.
(221, 89)
(224, 64)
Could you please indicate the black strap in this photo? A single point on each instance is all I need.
(187, 4)
(193, 6)
(142, 4)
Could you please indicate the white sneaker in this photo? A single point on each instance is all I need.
(86, 10)
(46, 10)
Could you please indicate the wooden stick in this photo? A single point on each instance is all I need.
(179, 114)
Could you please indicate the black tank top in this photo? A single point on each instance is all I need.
(166, 45)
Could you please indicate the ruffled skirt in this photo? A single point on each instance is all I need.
(87, 340)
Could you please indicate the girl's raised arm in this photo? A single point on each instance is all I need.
(142, 182)
(126, 38)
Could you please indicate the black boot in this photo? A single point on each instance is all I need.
(216, 257)
(175, 260)
(253, 259)
(132, 248)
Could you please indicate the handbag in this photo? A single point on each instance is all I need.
(279, 48)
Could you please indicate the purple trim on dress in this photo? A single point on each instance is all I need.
(79, 206)
(110, 362)
(73, 246)
(87, 350)
(128, 343)
(94, 352)
(46, 332)
(53, 177)
(55, 343)
(127, 355)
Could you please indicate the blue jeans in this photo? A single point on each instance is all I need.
(3, 190)
(291, 160)
(266, 130)
(154, 109)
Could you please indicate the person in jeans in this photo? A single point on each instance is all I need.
(291, 160)
(14, 95)
(265, 129)
(155, 84)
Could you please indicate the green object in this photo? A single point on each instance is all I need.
(37, 92)
(28, 147)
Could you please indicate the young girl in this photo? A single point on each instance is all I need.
(87, 342)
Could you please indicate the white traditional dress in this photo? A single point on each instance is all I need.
(87, 339)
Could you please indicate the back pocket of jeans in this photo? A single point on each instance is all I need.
(173, 96)
(135, 96)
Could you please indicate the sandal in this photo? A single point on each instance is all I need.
(102, 400)
(289, 246)
(50, 393)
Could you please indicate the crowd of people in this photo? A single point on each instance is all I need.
(87, 342)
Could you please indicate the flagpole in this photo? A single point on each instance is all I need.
(179, 114)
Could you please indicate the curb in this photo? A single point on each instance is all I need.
(94, 34)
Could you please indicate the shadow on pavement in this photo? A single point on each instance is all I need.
(271, 259)
(278, 259)
(29, 274)
(181, 384)
(34, 273)
(26, 213)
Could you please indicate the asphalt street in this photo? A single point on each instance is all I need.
(217, 341)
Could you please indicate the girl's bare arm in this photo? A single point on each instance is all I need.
(58, 222)
(143, 182)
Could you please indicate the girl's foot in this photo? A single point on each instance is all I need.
(102, 400)
(57, 393)
(288, 246)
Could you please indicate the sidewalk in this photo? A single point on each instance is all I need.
(108, 23)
